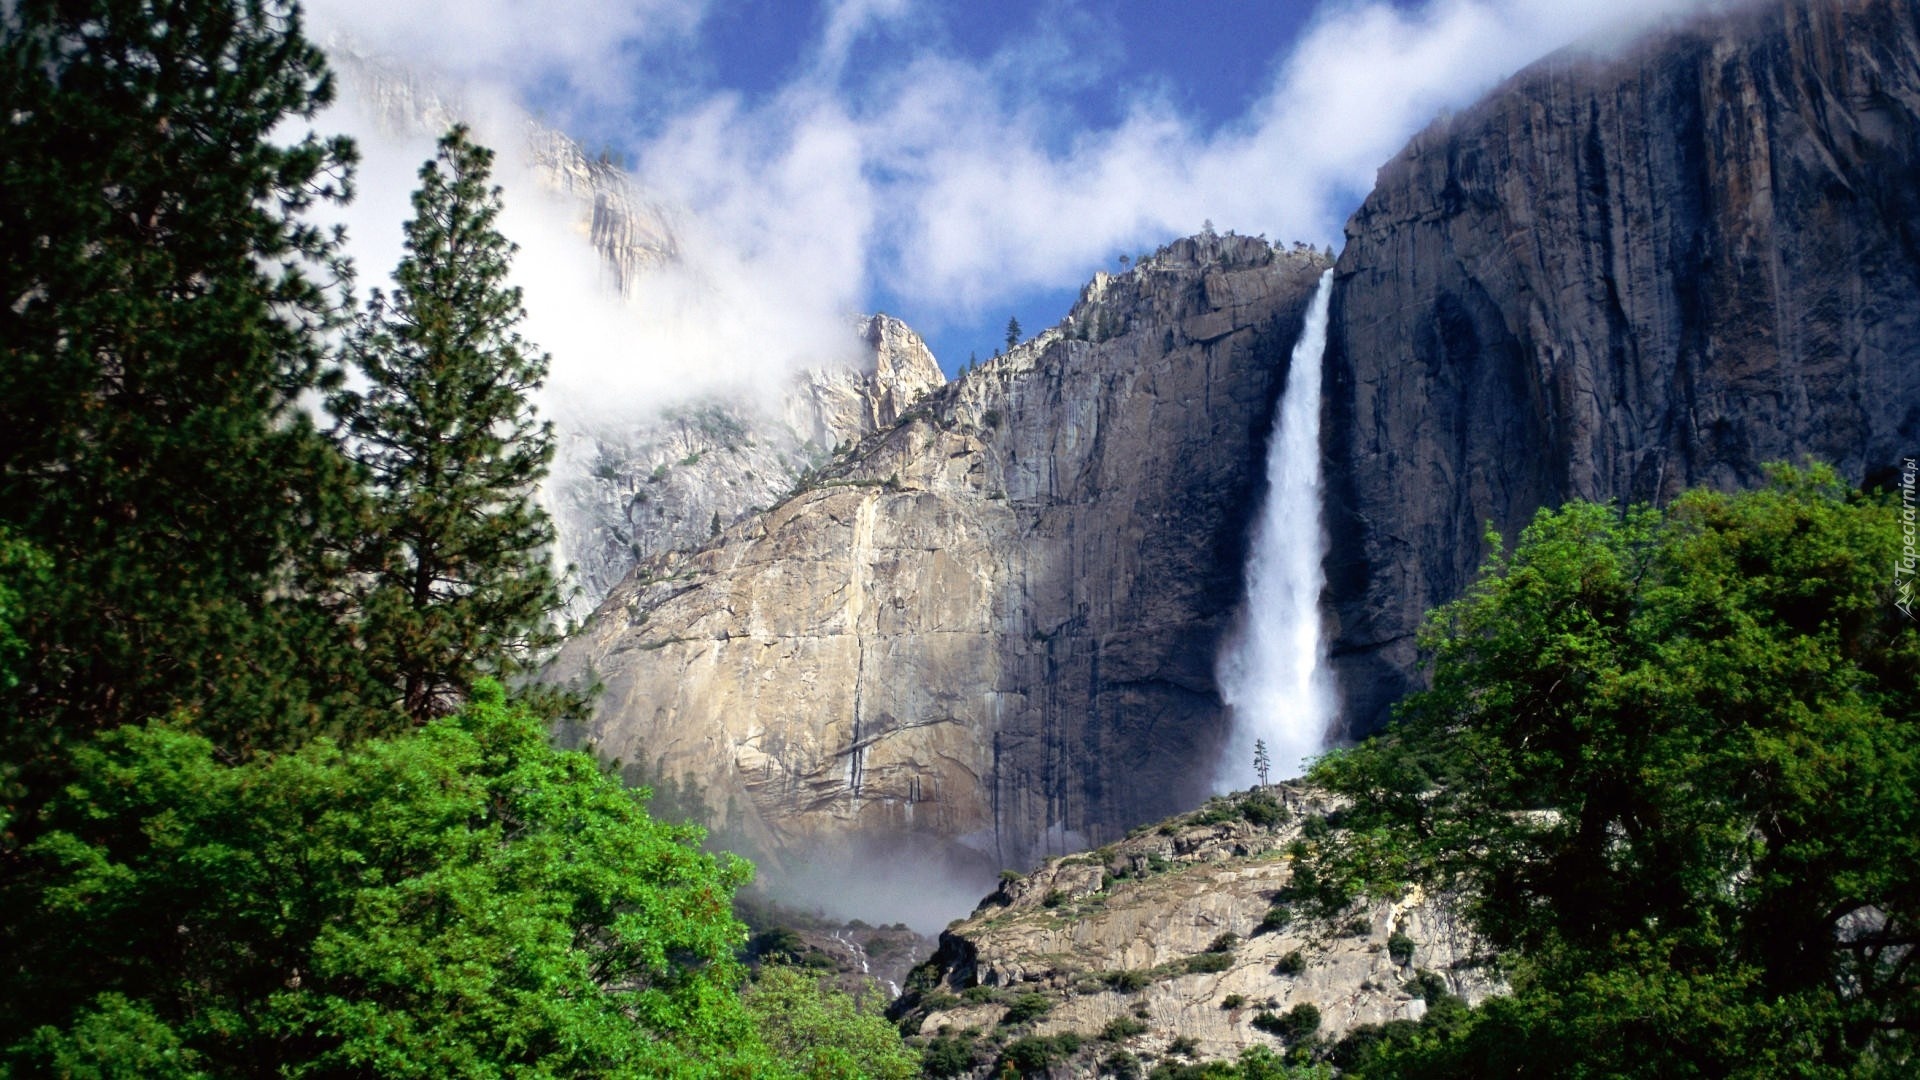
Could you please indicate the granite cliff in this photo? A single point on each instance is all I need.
(1617, 277)
(986, 632)
(661, 477)
(668, 479)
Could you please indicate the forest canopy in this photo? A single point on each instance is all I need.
(1670, 763)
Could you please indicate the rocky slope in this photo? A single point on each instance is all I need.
(1180, 938)
(987, 632)
(1617, 277)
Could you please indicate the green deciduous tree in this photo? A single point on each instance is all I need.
(1671, 760)
(821, 1032)
(456, 580)
(458, 901)
(161, 301)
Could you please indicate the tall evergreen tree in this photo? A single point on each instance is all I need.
(456, 578)
(162, 300)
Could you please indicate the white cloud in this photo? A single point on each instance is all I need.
(961, 184)
(585, 49)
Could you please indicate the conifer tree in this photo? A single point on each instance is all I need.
(1262, 761)
(1013, 331)
(455, 582)
(162, 299)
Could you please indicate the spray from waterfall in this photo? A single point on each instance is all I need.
(1273, 672)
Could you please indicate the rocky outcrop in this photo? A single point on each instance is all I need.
(669, 479)
(1617, 277)
(1183, 934)
(987, 632)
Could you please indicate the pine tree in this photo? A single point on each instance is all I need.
(162, 304)
(1262, 761)
(1013, 331)
(456, 582)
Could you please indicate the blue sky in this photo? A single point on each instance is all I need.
(953, 163)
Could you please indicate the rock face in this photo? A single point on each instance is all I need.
(1136, 931)
(661, 479)
(667, 479)
(987, 632)
(1615, 278)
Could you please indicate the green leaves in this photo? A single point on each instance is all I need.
(1659, 745)
(454, 902)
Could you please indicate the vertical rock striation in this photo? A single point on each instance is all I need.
(988, 630)
(661, 480)
(1617, 277)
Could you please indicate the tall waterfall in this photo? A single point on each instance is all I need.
(1273, 672)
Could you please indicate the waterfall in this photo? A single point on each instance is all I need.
(1273, 671)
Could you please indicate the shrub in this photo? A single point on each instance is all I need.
(1054, 899)
(1224, 943)
(1122, 1027)
(1276, 918)
(1121, 1065)
(1358, 926)
(1026, 1007)
(1291, 964)
(1400, 948)
(1126, 982)
(1233, 1001)
(980, 995)
(1294, 1025)
(1185, 1046)
(1263, 810)
(1426, 986)
(1035, 1054)
(1209, 963)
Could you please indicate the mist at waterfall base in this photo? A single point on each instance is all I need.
(1273, 672)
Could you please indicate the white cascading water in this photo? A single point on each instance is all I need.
(1273, 673)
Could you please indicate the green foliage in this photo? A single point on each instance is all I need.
(1426, 985)
(1672, 762)
(1262, 809)
(111, 1039)
(1034, 1055)
(1225, 943)
(1013, 332)
(1184, 1046)
(1209, 963)
(948, 1055)
(1121, 1065)
(1276, 918)
(23, 569)
(450, 902)
(821, 1033)
(454, 579)
(1400, 948)
(1256, 1063)
(1126, 982)
(1295, 1025)
(1233, 1001)
(163, 311)
(1122, 1027)
(1026, 1007)
(1291, 964)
